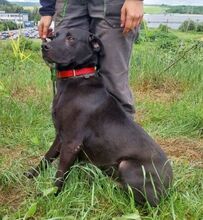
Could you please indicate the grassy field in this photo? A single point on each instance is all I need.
(155, 9)
(169, 106)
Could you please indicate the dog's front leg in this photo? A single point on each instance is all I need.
(49, 157)
(68, 155)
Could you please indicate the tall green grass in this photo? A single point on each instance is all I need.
(26, 132)
(88, 194)
(182, 116)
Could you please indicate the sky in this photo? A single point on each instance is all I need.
(168, 2)
(175, 2)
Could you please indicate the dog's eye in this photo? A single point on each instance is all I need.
(70, 38)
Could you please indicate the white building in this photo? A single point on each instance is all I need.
(18, 18)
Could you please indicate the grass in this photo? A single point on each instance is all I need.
(183, 115)
(31, 8)
(169, 106)
(155, 9)
(189, 35)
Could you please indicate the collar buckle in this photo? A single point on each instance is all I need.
(74, 73)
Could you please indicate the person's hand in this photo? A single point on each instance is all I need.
(43, 27)
(131, 14)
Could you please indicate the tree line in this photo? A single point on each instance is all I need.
(183, 9)
(6, 6)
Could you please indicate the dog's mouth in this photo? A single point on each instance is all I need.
(47, 57)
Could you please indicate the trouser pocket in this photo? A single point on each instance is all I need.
(112, 12)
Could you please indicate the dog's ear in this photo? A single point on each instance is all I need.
(96, 44)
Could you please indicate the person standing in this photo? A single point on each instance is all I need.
(115, 22)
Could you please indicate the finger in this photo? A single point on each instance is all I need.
(134, 24)
(40, 29)
(137, 23)
(123, 17)
(45, 31)
(128, 24)
(137, 20)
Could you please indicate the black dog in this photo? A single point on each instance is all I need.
(92, 126)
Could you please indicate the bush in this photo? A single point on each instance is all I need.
(200, 27)
(188, 25)
(143, 25)
(25, 43)
(36, 46)
(1, 26)
(168, 44)
(159, 35)
(163, 28)
(7, 25)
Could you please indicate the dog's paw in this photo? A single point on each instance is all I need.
(30, 174)
(57, 192)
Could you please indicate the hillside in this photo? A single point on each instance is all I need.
(4, 2)
(10, 8)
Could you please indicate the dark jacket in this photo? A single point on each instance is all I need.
(48, 7)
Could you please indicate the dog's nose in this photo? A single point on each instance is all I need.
(46, 46)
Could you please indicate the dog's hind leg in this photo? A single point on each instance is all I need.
(68, 155)
(49, 157)
(132, 175)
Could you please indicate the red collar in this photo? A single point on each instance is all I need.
(86, 72)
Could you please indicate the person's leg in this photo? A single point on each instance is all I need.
(114, 65)
(71, 13)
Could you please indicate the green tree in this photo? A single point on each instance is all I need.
(200, 27)
(188, 25)
(10, 8)
(2, 27)
(10, 25)
(7, 25)
(34, 14)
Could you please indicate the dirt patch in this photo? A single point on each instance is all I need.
(12, 195)
(167, 85)
(184, 149)
(157, 96)
(9, 154)
(23, 94)
(11, 198)
(168, 91)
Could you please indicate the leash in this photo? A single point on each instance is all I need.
(53, 78)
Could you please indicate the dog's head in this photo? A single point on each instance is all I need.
(72, 47)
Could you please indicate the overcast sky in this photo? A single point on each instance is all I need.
(175, 2)
(169, 2)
